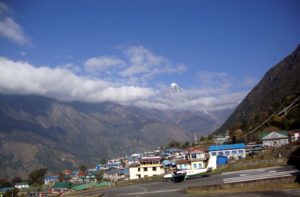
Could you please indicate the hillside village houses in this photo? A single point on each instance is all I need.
(115, 174)
(156, 163)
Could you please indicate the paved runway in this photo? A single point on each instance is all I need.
(154, 189)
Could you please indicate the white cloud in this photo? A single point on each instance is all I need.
(135, 69)
(219, 81)
(69, 82)
(144, 64)
(202, 99)
(11, 30)
(139, 55)
(72, 67)
(168, 69)
(141, 61)
(137, 66)
(3, 8)
(23, 78)
(101, 63)
(23, 53)
(248, 82)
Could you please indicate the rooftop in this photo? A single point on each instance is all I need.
(265, 133)
(196, 149)
(181, 161)
(226, 147)
(60, 185)
(150, 159)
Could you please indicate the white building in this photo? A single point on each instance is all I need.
(235, 151)
(222, 138)
(149, 166)
(275, 138)
(23, 185)
(196, 159)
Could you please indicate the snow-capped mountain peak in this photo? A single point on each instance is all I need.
(173, 85)
(174, 88)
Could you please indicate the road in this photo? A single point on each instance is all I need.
(177, 189)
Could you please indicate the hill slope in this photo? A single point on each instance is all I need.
(279, 86)
(36, 132)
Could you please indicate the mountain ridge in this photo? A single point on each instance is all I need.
(58, 135)
(278, 85)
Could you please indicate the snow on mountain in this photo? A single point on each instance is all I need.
(173, 89)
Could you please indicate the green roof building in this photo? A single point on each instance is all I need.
(275, 138)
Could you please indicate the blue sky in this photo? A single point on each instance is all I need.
(130, 51)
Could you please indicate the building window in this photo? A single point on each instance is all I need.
(220, 153)
(241, 151)
(153, 168)
(213, 153)
(145, 169)
(200, 165)
(139, 169)
(194, 156)
(227, 152)
(234, 152)
(194, 165)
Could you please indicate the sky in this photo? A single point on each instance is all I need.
(129, 51)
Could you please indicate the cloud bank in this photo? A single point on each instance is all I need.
(122, 79)
(23, 78)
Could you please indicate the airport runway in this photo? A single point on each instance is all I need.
(154, 189)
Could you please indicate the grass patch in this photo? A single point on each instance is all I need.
(137, 181)
(251, 186)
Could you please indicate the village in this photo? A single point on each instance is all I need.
(171, 164)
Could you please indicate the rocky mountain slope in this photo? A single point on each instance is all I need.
(37, 131)
(277, 89)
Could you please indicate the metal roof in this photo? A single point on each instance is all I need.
(226, 147)
(60, 185)
(265, 133)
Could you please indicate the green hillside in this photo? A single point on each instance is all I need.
(272, 104)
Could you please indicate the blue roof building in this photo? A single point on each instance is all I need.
(231, 151)
(227, 147)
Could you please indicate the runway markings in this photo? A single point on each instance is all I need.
(254, 177)
(151, 192)
(252, 170)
